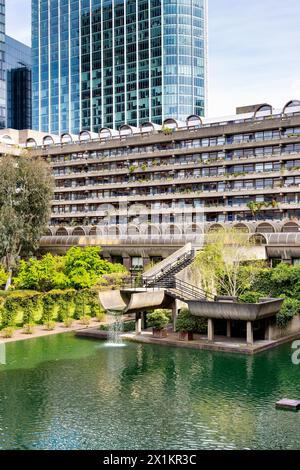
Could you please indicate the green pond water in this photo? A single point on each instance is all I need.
(62, 392)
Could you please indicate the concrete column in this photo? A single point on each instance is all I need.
(127, 262)
(175, 311)
(144, 320)
(228, 333)
(146, 261)
(210, 330)
(249, 333)
(138, 324)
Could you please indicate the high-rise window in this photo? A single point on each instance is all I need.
(103, 63)
(2, 66)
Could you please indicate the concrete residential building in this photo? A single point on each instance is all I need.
(103, 63)
(128, 190)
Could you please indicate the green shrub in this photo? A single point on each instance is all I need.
(8, 332)
(159, 319)
(185, 322)
(250, 297)
(85, 320)
(28, 328)
(68, 322)
(48, 307)
(289, 309)
(129, 326)
(80, 268)
(50, 325)
(104, 327)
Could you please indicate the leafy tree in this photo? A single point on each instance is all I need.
(219, 264)
(25, 196)
(44, 274)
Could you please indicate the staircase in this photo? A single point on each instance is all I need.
(163, 276)
(169, 267)
(180, 290)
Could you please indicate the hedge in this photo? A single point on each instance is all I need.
(18, 308)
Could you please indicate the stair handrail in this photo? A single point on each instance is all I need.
(171, 282)
(160, 268)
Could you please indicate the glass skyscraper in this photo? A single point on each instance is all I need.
(18, 84)
(2, 66)
(103, 63)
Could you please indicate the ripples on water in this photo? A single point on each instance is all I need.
(62, 392)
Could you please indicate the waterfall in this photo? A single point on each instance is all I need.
(116, 328)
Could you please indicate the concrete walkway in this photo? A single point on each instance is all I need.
(221, 343)
(40, 331)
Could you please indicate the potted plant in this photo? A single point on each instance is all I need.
(158, 320)
(185, 325)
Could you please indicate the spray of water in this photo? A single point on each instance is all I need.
(116, 328)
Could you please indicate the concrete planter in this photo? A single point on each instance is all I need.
(184, 336)
(160, 333)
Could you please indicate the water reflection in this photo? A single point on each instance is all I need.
(66, 393)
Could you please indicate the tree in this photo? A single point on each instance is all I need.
(219, 264)
(25, 197)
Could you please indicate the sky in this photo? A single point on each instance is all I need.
(254, 52)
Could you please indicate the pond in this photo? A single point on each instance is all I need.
(62, 392)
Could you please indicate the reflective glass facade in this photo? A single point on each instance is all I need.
(2, 66)
(103, 63)
(18, 86)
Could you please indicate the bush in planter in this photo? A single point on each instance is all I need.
(251, 297)
(158, 320)
(186, 324)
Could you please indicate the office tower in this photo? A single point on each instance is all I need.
(103, 63)
(18, 78)
(2, 66)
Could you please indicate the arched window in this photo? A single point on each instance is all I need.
(265, 228)
(291, 227)
(61, 232)
(78, 231)
(194, 121)
(31, 143)
(147, 128)
(6, 139)
(105, 133)
(170, 123)
(48, 140)
(125, 130)
(85, 136)
(292, 106)
(66, 138)
(241, 228)
(258, 239)
(263, 110)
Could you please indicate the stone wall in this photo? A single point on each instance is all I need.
(292, 328)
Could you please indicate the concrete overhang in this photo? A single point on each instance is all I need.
(234, 311)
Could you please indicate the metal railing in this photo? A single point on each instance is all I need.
(162, 268)
(179, 288)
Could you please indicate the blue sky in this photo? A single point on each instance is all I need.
(254, 50)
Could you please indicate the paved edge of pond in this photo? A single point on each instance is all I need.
(40, 332)
(147, 338)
